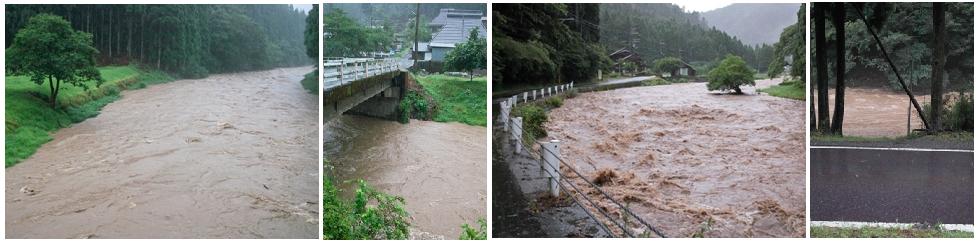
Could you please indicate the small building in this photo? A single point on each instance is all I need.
(685, 70)
(624, 55)
(452, 27)
(423, 53)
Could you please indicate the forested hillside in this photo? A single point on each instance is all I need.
(665, 30)
(185, 40)
(906, 30)
(753, 24)
(546, 43)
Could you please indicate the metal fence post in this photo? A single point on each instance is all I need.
(534, 92)
(504, 115)
(525, 97)
(552, 165)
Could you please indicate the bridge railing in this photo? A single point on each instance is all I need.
(339, 71)
(564, 178)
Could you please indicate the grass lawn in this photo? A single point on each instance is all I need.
(792, 89)
(30, 117)
(311, 82)
(879, 232)
(458, 98)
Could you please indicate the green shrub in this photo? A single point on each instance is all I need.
(534, 118)
(414, 106)
(469, 233)
(958, 116)
(572, 93)
(311, 82)
(554, 102)
(371, 215)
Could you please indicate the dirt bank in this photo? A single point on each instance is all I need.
(682, 156)
(228, 156)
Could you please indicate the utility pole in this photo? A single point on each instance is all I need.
(418, 9)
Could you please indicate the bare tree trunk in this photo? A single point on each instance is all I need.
(822, 85)
(839, 14)
(938, 67)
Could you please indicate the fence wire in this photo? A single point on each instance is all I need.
(576, 191)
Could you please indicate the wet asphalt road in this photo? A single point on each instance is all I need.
(903, 186)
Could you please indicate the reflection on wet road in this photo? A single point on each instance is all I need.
(227, 156)
(891, 186)
(439, 168)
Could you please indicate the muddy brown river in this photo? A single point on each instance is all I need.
(438, 168)
(227, 156)
(686, 159)
(877, 112)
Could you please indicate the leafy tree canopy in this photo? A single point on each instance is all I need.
(48, 49)
(667, 64)
(731, 74)
(468, 56)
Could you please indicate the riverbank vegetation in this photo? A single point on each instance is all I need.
(458, 99)
(791, 89)
(879, 232)
(370, 215)
(731, 74)
(311, 39)
(30, 119)
(188, 41)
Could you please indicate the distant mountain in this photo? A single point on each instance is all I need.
(753, 23)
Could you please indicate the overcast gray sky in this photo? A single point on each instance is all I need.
(702, 6)
(304, 7)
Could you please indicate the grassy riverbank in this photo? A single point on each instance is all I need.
(879, 232)
(791, 89)
(30, 118)
(458, 99)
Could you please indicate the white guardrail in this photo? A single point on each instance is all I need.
(514, 124)
(339, 71)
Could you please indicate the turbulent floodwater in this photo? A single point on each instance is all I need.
(438, 168)
(228, 156)
(877, 112)
(683, 156)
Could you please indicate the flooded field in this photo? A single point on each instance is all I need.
(686, 159)
(227, 156)
(439, 168)
(878, 112)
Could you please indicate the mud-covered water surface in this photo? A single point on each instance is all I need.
(227, 156)
(687, 160)
(438, 168)
(878, 112)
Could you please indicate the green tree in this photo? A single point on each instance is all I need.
(468, 56)
(48, 49)
(311, 36)
(667, 65)
(731, 74)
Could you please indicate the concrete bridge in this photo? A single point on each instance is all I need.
(364, 86)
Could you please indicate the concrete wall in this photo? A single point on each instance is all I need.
(376, 96)
(384, 105)
(438, 53)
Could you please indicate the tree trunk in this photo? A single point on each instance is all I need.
(938, 67)
(54, 96)
(839, 14)
(737, 90)
(822, 86)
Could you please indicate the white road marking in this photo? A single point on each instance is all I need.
(854, 224)
(894, 149)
